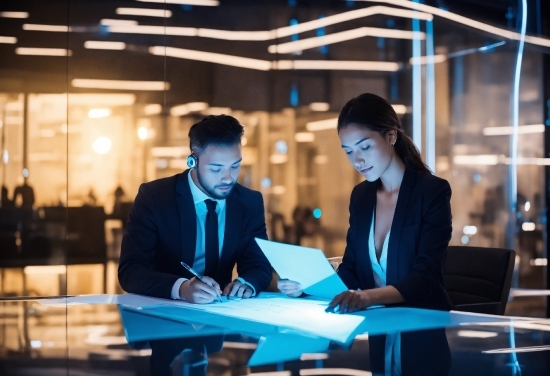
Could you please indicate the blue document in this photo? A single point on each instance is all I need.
(308, 266)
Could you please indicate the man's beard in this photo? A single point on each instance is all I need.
(211, 191)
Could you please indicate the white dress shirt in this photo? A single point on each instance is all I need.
(200, 208)
(378, 266)
(393, 339)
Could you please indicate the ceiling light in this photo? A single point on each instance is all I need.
(319, 106)
(43, 51)
(100, 45)
(382, 66)
(98, 113)
(348, 16)
(399, 109)
(304, 44)
(154, 30)
(236, 61)
(45, 269)
(14, 14)
(321, 159)
(144, 12)
(522, 129)
(423, 60)
(528, 226)
(304, 137)
(484, 160)
(322, 125)
(501, 33)
(120, 85)
(236, 35)
(102, 145)
(113, 22)
(539, 262)
(204, 3)
(142, 133)
(278, 190)
(99, 100)
(184, 109)
(476, 334)
(8, 40)
(278, 158)
(53, 28)
(152, 109)
(244, 62)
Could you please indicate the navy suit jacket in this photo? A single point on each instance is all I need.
(420, 233)
(162, 229)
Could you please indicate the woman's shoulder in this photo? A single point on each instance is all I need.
(431, 182)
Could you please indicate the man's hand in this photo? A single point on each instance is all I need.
(290, 288)
(237, 289)
(195, 291)
(350, 301)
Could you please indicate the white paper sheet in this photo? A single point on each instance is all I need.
(304, 315)
(308, 266)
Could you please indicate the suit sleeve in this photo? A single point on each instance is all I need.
(135, 272)
(435, 234)
(348, 268)
(252, 265)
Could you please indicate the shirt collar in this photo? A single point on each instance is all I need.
(200, 196)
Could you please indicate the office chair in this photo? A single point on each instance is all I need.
(478, 279)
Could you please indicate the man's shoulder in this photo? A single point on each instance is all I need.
(247, 195)
(162, 184)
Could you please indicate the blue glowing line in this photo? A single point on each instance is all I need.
(513, 355)
(515, 124)
(430, 98)
(417, 87)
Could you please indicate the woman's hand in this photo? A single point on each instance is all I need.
(350, 301)
(290, 288)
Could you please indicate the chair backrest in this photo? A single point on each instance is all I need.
(478, 279)
(335, 261)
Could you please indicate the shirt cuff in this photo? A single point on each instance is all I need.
(248, 284)
(176, 288)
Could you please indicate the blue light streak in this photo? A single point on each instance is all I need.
(513, 169)
(430, 98)
(417, 86)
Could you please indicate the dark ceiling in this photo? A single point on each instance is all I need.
(193, 80)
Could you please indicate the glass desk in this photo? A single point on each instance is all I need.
(133, 335)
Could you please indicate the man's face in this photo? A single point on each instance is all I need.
(218, 169)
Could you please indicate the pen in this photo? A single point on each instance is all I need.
(197, 275)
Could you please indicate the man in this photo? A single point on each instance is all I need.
(167, 225)
(203, 218)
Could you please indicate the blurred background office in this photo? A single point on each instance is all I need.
(97, 97)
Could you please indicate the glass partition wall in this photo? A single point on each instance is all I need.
(98, 97)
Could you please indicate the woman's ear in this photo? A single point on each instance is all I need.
(392, 137)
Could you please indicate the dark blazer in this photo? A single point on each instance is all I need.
(420, 233)
(162, 229)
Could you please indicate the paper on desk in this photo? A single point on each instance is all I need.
(308, 266)
(302, 315)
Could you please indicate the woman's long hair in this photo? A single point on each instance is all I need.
(376, 114)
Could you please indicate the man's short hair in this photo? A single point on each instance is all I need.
(221, 130)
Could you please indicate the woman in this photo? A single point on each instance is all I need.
(400, 217)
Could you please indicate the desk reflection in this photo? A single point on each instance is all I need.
(424, 352)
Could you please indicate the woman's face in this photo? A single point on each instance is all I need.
(368, 151)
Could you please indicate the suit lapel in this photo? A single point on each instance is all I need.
(405, 192)
(364, 221)
(188, 219)
(233, 220)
